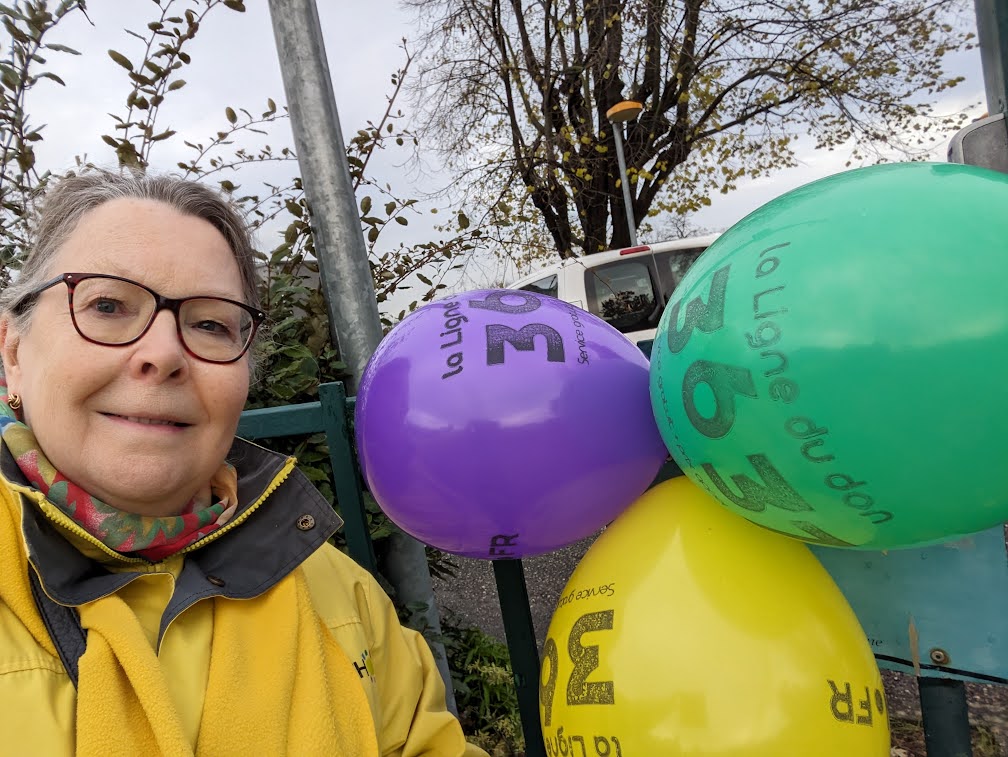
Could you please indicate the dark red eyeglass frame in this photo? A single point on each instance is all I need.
(161, 303)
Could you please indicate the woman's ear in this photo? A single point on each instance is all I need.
(10, 341)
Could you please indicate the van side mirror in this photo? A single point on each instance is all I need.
(983, 143)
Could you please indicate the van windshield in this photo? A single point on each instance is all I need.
(625, 292)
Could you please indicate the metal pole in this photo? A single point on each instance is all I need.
(627, 202)
(344, 270)
(339, 244)
(992, 34)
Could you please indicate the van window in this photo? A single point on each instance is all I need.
(672, 266)
(547, 286)
(623, 294)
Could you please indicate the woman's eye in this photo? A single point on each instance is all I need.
(212, 327)
(107, 306)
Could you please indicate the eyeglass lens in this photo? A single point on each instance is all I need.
(112, 312)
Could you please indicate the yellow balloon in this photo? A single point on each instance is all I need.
(687, 630)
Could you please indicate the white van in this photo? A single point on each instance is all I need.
(628, 288)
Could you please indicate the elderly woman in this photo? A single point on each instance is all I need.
(166, 588)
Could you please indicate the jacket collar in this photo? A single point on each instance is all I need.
(287, 526)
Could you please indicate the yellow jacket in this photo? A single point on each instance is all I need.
(277, 542)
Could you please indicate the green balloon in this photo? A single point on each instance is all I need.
(834, 367)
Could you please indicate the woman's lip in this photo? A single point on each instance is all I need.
(143, 420)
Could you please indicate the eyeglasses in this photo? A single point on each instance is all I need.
(114, 311)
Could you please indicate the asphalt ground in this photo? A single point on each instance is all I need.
(471, 595)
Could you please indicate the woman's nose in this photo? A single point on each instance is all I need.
(160, 352)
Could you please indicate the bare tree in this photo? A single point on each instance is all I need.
(516, 92)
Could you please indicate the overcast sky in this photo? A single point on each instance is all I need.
(235, 63)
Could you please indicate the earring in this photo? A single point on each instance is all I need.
(14, 401)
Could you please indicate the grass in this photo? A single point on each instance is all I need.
(909, 736)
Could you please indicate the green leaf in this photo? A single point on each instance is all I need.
(9, 79)
(232, 117)
(177, 84)
(60, 48)
(463, 220)
(163, 135)
(401, 220)
(235, 5)
(26, 159)
(110, 141)
(8, 11)
(365, 205)
(140, 79)
(121, 59)
(372, 234)
(54, 77)
(15, 32)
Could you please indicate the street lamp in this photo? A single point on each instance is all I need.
(627, 110)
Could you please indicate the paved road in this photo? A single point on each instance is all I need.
(472, 593)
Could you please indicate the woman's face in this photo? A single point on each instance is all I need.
(90, 405)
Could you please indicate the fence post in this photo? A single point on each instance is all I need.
(946, 717)
(345, 478)
(521, 639)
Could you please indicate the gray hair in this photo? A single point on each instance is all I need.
(76, 194)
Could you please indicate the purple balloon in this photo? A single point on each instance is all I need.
(502, 423)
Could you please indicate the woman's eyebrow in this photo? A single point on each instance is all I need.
(112, 268)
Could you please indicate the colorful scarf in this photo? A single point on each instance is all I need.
(133, 535)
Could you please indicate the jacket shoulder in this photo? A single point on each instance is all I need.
(342, 591)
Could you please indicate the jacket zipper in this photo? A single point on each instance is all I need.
(62, 520)
(278, 479)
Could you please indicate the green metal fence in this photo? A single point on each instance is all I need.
(330, 415)
(943, 701)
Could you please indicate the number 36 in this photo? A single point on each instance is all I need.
(585, 658)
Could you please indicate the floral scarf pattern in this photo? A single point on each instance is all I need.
(152, 538)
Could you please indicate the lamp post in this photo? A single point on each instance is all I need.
(627, 110)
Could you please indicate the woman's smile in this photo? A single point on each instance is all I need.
(161, 424)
